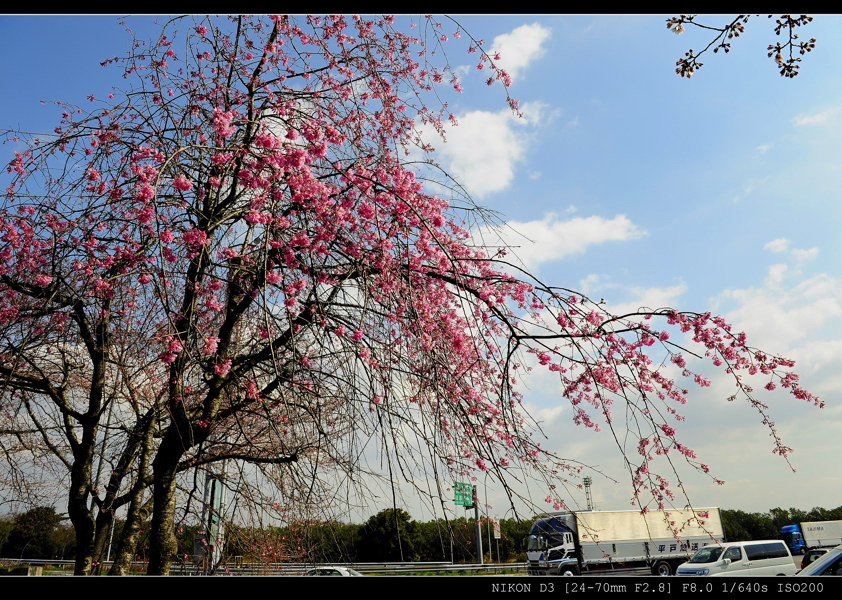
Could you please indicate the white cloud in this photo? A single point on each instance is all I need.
(592, 283)
(481, 152)
(537, 113)
(778, 245)
(800, 321)
(800, 254)
(820, 118)
(653, 297)
(815, 355)
(551, 238)
(546, 415)
(750, 187)
(776, 274)
(803, 255)
(520, 47)
(778, 319)
(595, 285)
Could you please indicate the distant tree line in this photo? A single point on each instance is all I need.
(391, 535)
(741, 525)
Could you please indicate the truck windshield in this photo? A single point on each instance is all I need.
(708, 554)
(535, 542)
(791, 537)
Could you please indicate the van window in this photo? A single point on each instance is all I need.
(765, 551)
(733, 554)
(708, 554)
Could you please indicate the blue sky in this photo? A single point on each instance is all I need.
(718, 193)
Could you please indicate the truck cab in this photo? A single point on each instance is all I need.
(793, 538)
(551, 548)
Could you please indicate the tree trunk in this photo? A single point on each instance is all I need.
(126, 548)
(83, 525)
(138, 510)
(104, 523)
(163, 544)
(77, 502)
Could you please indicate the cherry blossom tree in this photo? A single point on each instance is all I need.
(233, 261)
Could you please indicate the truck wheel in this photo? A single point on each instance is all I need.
(662, 568)
(568, 572)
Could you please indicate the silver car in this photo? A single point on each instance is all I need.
(829, 564)
(333, 572)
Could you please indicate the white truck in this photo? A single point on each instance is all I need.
(574, 543)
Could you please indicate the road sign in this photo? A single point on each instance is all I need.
(463, 494)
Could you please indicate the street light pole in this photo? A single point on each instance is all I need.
(487, 519)
(479, 526)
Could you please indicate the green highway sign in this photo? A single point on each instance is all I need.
(463, 494)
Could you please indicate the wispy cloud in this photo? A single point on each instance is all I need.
(776, 274)
(803, 255)
(800, 254)
(819, 118)
(551, 238)
(777, 245)
(639, 296)
(779, 318)
(650, 297)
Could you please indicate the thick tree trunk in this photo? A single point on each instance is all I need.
(83, 525)
(77, 501)
(163, 544)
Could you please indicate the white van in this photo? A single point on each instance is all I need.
(762, 558)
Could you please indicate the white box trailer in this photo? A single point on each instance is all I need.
(572, 543)
(822, 533)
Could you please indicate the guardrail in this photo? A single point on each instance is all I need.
(235, 568)
(373, 568)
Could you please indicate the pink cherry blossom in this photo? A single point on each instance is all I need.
(182, 183)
